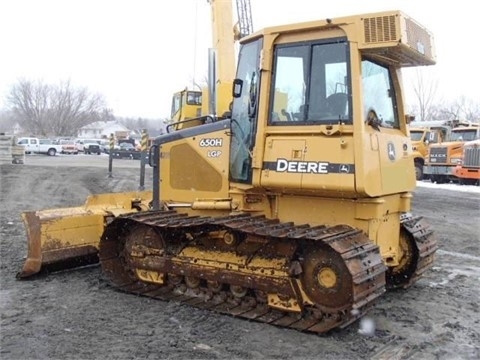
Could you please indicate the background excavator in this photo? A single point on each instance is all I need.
(195, 107)
(294, 210)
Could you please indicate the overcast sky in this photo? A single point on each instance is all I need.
(137, 53)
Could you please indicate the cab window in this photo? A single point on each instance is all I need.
(378, 94)
(194, 98)
(311, 84)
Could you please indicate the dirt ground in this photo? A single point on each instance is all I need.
(76, 315)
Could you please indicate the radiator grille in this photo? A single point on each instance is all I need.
(438, 155)
(472, 157)
(380, 29)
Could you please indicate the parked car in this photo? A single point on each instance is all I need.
(126, 141)
(126, 150)
(58, 139)
(104, 145)
(68, 147)
(82, 143)
(92, 147)
(126, 146)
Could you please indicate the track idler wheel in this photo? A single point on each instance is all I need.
(143, 243)
(327, 280)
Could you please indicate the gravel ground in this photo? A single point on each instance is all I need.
(76, 315)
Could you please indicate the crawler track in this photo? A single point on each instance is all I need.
(420, 245)
(308, 278)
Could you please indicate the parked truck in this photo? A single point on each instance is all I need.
(421, 137)
(443, 158)
(468, 172)
(39, 146)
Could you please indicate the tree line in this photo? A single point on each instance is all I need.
(59, 109)
(427, 106)
(63, 109)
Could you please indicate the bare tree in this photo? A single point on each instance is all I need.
(60, 109)
(449, 111)
(7, 121)
(425, 92)
(134, 124)
(428, 107)
(460, 109)
(470, 110)
(153, 126)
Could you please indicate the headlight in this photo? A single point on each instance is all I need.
(456, 161)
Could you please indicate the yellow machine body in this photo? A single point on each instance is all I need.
(186, 105)
(295, 209)
(319, 173)
(70, 237)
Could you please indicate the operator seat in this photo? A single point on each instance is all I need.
(337, 104)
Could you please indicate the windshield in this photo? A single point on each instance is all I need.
(416, 135)
(464, 135)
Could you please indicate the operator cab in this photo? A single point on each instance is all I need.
(304, 101)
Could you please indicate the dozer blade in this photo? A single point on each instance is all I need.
(69, 237)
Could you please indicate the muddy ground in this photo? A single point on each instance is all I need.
(76, 315)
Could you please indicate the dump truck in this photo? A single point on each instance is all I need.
(468, 171)
(444, 157)
(300, 222)
(422, 135)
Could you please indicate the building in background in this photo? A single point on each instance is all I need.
(101, 130)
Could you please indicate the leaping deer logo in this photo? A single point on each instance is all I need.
(391, 151)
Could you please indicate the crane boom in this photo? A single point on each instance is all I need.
(244, 13)
(223, 39)
(216, 97)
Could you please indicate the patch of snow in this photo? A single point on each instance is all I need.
(367, 326)
(202, 347)
(459, 255)
(452, 186)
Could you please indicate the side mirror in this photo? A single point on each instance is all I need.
(409, 118)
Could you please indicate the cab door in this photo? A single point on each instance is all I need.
(245, 112)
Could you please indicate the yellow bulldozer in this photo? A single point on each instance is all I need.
(299, 219)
